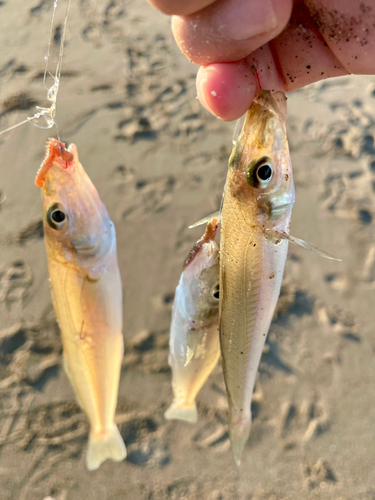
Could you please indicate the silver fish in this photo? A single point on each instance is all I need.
(194, 335)
(257, 207)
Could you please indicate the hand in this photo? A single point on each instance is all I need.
(289, 45)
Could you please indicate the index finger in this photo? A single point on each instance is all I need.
(180, 7)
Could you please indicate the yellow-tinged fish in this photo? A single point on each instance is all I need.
(256, 212)
(194, 336)
(87, 293)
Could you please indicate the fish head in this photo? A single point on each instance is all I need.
(260, 173)
(202, 280)
(201, 276)
(76, 222)
(209, 287)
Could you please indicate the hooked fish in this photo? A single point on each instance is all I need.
(257, 208)
(87, 293)
(255, 222)
(194, 336)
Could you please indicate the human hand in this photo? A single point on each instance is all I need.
(290, 44)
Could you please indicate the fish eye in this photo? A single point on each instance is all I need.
(215, 292)
(56, 216)
(260, 173)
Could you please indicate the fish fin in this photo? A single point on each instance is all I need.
(67, 371)
(192, 343)
(94, 274)
(189, 355)
(239, 432)
(215, 215)
(306, 245)
(186, 413)
(108, 444)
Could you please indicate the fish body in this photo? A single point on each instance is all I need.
(194, 336)
(257, 207)
(87, 293)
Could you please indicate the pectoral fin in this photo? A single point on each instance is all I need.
(189, 355)
(215, 215)
(192, 343)
(304, 244)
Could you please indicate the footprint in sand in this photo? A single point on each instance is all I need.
(39, 7)
(214, 434)
(141, 197)
(194, 489)
(368, 274)
(114, 10)
(29, 351)
(17, 102)
(319, 474)
(15, 279)
(299, 423)
(33, 231)
(146, 197)
(148, 351)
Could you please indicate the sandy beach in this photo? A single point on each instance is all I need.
(128, 101)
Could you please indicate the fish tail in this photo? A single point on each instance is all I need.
(239, 431)
(107, 444)
(186, 413)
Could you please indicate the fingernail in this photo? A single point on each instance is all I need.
(244, 19)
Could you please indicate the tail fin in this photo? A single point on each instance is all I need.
(239, 434)
(105, 445)
(186, 413)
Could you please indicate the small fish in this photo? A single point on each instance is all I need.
(87, 293)
(257, 207)
(194, 337)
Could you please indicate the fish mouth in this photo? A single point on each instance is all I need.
(55, 152)
(84, 245)
(274, 101)
(84, 249)
(265, 116)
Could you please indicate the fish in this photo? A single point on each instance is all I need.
(255, 222)
(86, 286)
(194, 335)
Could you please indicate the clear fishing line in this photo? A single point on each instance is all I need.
(237, 129)
(45, 117)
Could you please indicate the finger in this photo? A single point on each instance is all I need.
(301, 54)
(228, 30)
(348, 27)
(180, 7)
(297, 57)
(228, 89)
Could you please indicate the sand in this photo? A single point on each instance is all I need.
(128, 100)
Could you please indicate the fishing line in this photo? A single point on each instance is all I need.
(45, 118)
(237, 129)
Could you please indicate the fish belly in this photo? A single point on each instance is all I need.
(188, 380)
(189, 373)
(250, 278)
(90, 318)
